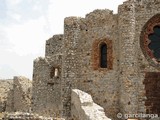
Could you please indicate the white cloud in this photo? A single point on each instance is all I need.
(23, 10)
(16, 16)
(12, 3)
(6, 69)
(12, 64)
(4, 40)
(28, 38)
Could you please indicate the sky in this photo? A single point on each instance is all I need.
(25, 25)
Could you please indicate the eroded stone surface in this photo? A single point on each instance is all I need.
(19, 97)
(5, 87)
(83, 107)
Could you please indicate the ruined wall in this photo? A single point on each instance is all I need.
(40, 75)
(22, 94)
(46, 96)
(80, 37)
(47, 80)
(53, 45)
(19, 97)
(133, 15)
(5, 87)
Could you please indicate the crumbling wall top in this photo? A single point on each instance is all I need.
(54, 45)
(99, 13)
(23, 82)
(70, 20)
(5, 86)
(40, 61)
(55, 37)
(99, 18)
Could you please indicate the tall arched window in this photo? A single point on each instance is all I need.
(102, 58)
(103, 55)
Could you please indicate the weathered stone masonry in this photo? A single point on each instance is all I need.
(47, 87)
(72, 60)
(15, 95)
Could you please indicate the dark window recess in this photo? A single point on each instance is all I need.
(103, 59)
(154, 45)
(52, 72)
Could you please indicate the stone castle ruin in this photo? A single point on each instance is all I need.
(113, 57)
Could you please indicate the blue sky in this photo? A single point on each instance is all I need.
(25, 25)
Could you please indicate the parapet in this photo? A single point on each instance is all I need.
(125, 7)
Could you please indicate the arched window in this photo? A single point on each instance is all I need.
(103, 55)
(102, 58)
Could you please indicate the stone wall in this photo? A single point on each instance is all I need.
(133, 15)
(144, 12)
(128, 58)
(47, 79)
(80, 34)
(19, 97)
(22, 94)
(56, 40)
(5, 87)
(15, 94)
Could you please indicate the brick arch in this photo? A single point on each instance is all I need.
(96, 54)
(147, 30)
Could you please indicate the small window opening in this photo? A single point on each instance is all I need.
(103, 56)
(54, 72)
